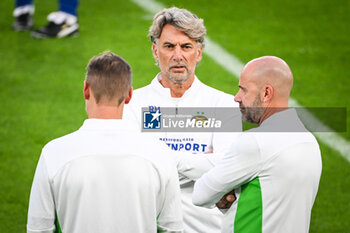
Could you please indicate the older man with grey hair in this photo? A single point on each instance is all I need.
(177, 37)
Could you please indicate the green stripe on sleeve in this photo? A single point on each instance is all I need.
(249, 209)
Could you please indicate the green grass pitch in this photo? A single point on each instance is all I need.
(41, 81)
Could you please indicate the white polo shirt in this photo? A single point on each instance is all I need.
(196, 219)
(275, 175)
(105, 177)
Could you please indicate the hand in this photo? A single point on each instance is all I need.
(227, 200)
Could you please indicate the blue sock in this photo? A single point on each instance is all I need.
(69, 6)
(23, 2)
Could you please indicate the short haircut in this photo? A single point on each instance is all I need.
(109, 77)
(183, 20)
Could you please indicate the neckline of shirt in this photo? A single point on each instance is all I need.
(286, 120)
(108, 124)
(166, 91)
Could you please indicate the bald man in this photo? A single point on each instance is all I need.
(275, 168)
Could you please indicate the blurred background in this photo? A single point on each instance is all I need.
(41, 80)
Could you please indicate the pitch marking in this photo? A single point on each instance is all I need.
(234, 66)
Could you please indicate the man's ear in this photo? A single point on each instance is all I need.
(155, 51)
(128, 97)
(86, 90)
(268, 93)
(199, 53)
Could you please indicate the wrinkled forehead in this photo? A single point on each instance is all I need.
(173, 35)
(249, 80)
(248, 74)
(247, 84)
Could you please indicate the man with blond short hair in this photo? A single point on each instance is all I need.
(98, 179)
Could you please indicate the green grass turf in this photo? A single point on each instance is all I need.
(41, 80)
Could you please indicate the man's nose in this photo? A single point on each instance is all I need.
(177, 56)
(238, 97)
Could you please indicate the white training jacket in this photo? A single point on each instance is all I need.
(275, 170)
(106, 178)
(196, 219)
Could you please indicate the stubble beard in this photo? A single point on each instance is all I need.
(178, 79)
(252, 114)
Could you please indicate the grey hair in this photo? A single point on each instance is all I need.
(182, 19)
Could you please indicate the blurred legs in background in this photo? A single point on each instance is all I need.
(61, 23)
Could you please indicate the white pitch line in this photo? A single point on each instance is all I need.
(223, 58)
(234, 66)
(331, 139)
(149, 5)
